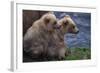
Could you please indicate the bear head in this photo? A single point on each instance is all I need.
(50, 21)
(67, 25)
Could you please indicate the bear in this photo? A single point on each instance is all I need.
(36, 38)
(29, 16)
(57, 48)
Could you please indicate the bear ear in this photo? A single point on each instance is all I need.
(46, 20)
(65, 23)
(66, 16)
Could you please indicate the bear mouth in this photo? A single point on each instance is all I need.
(73, 32)
(70, 30)
(76, 32)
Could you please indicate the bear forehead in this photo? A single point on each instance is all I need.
(52, 16)
(70, 20)
(49, 16)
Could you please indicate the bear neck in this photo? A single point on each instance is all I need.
(60, 34)
(61, 30)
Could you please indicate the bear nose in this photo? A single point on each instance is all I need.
(77, 32)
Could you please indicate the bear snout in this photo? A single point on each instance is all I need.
(77, 32)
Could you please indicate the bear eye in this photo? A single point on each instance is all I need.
(73, 27)
(47, 20)
(55, 22)
(65, 23)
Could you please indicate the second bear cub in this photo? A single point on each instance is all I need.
(56, 47)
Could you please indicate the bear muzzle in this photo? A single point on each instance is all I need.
(77, 32)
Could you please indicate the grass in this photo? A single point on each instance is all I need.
(74, 54)
(79, 54)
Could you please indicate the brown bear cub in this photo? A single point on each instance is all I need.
(56, 47)
(36, 37)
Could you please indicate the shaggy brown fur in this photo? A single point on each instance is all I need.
(36, 37)
(56, 47)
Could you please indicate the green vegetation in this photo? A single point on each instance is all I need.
(79, 54)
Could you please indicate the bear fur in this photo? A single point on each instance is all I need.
(56, 48)
(36, 37)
